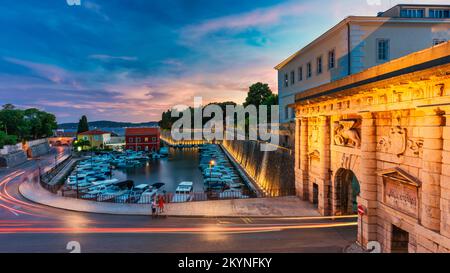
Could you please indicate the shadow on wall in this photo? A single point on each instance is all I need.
(272, 171)
(362, 44)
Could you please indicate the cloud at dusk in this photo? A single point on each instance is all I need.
(131, 60)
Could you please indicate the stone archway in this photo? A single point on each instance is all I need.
(346, 191)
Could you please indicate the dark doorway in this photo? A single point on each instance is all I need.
(347, 191)
(3, 162)
(400, 240)
(316, 194)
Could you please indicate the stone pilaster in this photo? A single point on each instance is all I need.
(431, 131)
(325, 159)
(368, 180)
(303, 177)
(297, 150)
(445, 177)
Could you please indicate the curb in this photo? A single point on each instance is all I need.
(34, 200)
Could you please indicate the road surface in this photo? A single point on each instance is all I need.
(33, 228)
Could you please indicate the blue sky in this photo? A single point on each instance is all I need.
(130, 60)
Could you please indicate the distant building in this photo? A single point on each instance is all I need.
(97, 138)
(61, 138)
(142, 139)
(358, 43)
(116, 143)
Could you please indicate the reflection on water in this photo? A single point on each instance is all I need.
(182, 165)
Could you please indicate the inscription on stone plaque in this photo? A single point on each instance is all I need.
(401, 196)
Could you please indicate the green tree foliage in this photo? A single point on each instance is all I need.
(7, 139)
(26, 124)
(83, 125)
(84, 144)
(257, 94)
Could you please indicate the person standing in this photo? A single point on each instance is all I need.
(161, 203)
(154, 208)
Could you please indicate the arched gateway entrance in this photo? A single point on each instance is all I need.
(346, 192)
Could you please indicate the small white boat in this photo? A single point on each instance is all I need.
(183, 193)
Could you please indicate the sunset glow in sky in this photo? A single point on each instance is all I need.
(129, 60)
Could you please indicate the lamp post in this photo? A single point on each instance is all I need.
(78, 190)
(211, 164)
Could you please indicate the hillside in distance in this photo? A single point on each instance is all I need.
(108, 124)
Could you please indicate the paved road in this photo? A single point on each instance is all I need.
(29, 227)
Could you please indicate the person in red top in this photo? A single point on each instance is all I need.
(161, 203)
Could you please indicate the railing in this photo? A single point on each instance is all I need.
(47, 177)
(169, 197)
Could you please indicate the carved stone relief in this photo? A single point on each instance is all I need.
(416, 146)
(346, 133)
(395, 143)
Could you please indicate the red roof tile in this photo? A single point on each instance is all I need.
(94, 132)
(141, 131)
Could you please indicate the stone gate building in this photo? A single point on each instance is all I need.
(381, 139)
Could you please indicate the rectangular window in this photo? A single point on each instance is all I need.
(382, 50)
(138, 140)
(439, 13)
(308, 70)
(130, 140)
(146, 139)
(331, 59)
(292, 77)
(319, 65)
(286, 80)
(412, 13)
(154, 139)
(300, 73)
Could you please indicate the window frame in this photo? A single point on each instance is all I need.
(286, 80)
(387, 43)
(440, 11)
(300, 73)
(292, 77)
(333, 51)
(409, 12)
(308, 70)
(319, 65)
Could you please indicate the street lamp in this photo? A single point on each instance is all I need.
(211, 164)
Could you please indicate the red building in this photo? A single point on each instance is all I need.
(142, 139)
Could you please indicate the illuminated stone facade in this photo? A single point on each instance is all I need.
(381, 139)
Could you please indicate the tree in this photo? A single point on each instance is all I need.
(83, 125)
(7, 139)
(81, 143)
(12, 120)
(8, 106)
(257, 94)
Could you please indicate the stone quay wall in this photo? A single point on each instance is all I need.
(273, 171)
(37, 148)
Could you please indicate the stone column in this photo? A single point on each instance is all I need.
(368, 180)
(445, 177)
(297, 150)
(303, 178)
(324, 175)
(431, 131)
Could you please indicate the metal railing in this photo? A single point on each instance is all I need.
(47, 177)
(169, 197)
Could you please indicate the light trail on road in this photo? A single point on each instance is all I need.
(174, 230)
(22, 218)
